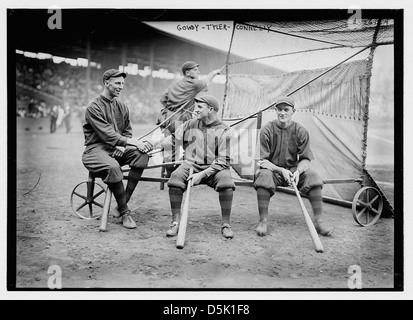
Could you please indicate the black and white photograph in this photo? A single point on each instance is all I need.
(205, 149)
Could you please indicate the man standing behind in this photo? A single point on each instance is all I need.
(285, 155)
(182, 93)
(109, 143)
(206, 141)
(185, 90)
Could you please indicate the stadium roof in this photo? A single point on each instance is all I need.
(110, 34)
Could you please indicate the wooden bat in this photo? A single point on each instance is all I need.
(180, 240)
(106, 206)
(313, 232)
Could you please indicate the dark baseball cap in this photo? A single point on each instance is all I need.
(287, 100)
(113, 73)
(188, 65)
(209, 100)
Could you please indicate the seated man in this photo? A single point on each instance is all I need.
(206, 141)
(109, 143)
(285, 155)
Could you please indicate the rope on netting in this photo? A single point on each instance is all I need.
(226, 70)
(307, 51)
(367, 95)
(291, 34)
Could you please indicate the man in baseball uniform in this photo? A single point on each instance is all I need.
(180, 93)
(109, 144)
(206, 141)
(284, 156)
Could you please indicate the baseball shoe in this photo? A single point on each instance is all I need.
(323, 231)
(173, 229)
(262, 229)
(226, 231)
(128, 222)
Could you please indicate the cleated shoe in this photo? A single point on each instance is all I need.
(226, 231)
(323, 231)
(128, 222)
(173, 229)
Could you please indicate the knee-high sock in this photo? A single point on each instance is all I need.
(263, 197)
(316, 200)
(133, 179)
(118, 191)
(175, 199)
(225, 200)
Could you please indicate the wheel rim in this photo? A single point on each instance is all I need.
(367, 206)
(87, 209)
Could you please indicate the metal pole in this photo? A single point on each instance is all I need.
(367, 96)
(88, 57)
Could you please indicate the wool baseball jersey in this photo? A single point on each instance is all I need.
(284, 147)
(206, 144)
(182, 91)
(107, 122)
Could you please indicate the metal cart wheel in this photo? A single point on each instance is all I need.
(87, 200)
(367, 206)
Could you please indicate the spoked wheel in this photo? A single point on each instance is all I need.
(367, 206)
(87, 200)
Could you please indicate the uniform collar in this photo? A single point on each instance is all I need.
(277, 123)
(216, 122)
(105, 98)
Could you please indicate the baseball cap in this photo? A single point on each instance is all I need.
(189, 65)
(286, 100)
(209, 100)
(113, 73)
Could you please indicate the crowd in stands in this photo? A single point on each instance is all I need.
(67, 82)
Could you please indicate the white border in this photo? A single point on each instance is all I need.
(230, 295)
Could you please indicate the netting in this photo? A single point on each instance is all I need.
(326, 67)
(281, 47)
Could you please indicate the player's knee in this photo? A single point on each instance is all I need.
(140, 160)
(177, 180)
(224, 181)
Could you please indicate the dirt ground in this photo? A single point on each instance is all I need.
(48, 233)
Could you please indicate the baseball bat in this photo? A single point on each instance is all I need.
(159, 125)
(106, 206)
(180, 240)
(313, 232)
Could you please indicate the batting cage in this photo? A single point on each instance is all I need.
(326, 67)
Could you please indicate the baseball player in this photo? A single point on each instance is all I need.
(285, 155)
(182, 93)
(109, 144)
(185, 90)
(206, 141)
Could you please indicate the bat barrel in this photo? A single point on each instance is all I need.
(318, 246)
(180, 241)
(106, 207)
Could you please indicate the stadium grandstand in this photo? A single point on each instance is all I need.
(65, 66)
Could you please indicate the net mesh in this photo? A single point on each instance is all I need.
(279, 47)
(326, 67)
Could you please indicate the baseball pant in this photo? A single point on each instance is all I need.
(97, 160)
(219, 181)
(270, 180)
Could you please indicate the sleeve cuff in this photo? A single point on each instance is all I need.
(122, 141)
